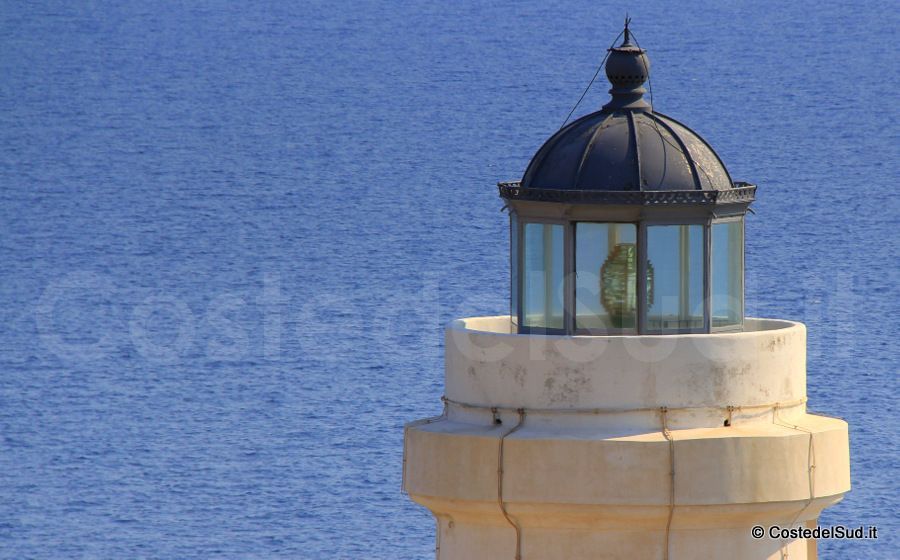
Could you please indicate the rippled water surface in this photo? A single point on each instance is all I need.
(230, 235)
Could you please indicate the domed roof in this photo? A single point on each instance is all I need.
(627, 149)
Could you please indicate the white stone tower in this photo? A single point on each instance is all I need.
(625, 408)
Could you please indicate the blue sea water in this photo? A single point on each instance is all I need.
(230, 235)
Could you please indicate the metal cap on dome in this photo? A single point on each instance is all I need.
(627, 68)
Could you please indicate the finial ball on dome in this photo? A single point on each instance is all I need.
(627, 66)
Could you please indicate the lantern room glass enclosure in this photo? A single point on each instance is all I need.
(608, 277)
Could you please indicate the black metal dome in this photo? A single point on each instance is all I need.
(627, 149)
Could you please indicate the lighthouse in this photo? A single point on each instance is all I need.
(625, 407)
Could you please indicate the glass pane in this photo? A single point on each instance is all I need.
(675, 277)
(605, 276)
(514, 268)
(727, 273)
(542, 304)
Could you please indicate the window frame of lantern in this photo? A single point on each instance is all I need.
(514, 271)
(522, 221)
(643, 245)
(738, 327)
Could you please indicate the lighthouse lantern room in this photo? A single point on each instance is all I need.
(626, 221)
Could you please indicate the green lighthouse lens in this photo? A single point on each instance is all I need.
(606, 276)
(618, 285)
